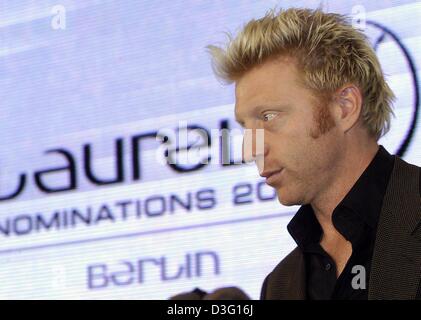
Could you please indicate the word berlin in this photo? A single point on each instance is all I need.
(120, 176)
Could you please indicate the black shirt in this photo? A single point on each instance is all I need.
(356, 218)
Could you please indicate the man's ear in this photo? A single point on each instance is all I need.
(348, 105)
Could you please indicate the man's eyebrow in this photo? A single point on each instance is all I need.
(270, 106)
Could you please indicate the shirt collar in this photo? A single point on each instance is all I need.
(360, 207)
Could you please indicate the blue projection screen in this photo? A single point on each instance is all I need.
(88, 209)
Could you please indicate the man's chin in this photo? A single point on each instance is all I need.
(287, 199)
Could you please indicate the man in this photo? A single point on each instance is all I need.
(315, 87)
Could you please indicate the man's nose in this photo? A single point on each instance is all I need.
(254, 146)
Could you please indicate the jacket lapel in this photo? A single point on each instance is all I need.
(396, 264)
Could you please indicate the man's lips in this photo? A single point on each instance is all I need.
(271, 175)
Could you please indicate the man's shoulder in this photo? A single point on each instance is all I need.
(290, 264)
(284, 271)
(408, 164)
(419, 177)
(289, 261)
(419, 169)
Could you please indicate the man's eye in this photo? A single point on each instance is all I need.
(268, 116)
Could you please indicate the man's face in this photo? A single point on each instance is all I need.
(269, 97)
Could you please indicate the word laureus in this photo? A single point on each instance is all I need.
(77, 165)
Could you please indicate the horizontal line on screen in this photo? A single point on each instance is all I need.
(144, 233)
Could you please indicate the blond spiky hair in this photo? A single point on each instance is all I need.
(329, 53)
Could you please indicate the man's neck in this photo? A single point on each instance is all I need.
(356, 160)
